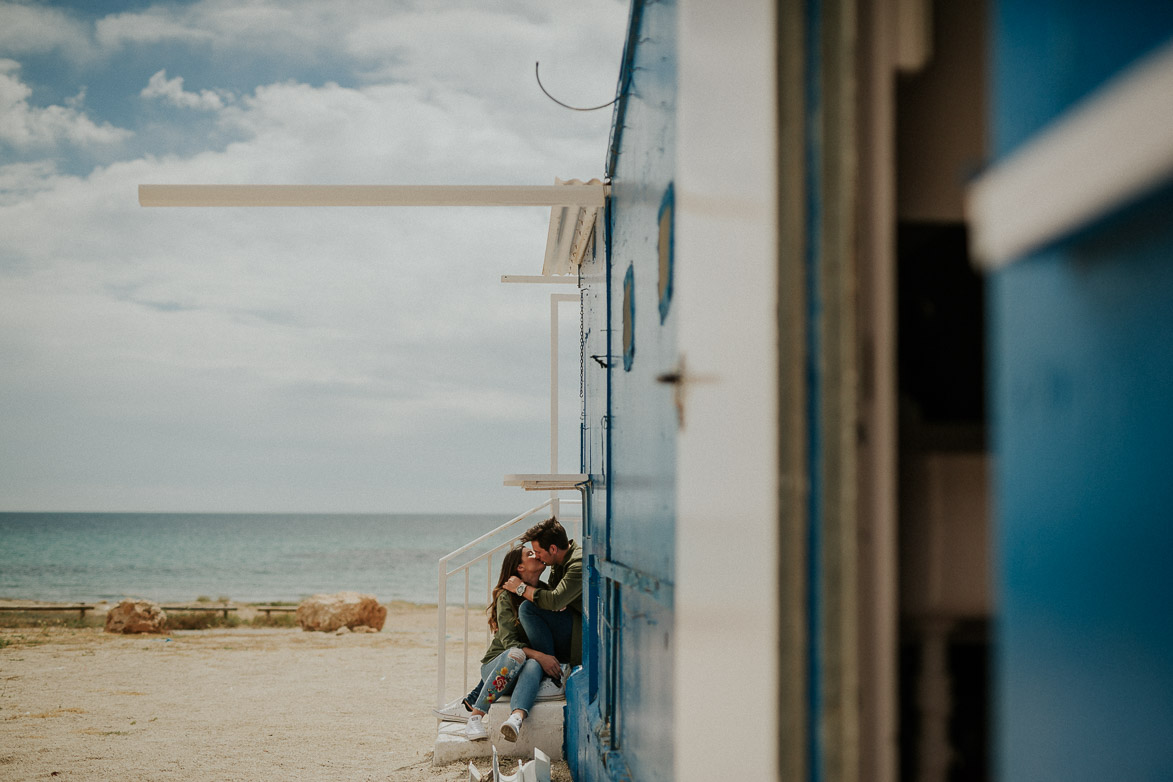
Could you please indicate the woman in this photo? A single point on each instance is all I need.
(509, 665)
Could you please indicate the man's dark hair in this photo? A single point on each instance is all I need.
(547, 533)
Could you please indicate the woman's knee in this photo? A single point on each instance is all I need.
(517, 655)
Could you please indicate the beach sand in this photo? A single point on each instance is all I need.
(226, 704)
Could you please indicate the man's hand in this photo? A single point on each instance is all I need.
(513, 583)
(550, 665)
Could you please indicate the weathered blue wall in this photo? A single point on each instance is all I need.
(1081, 346)
(621, 704)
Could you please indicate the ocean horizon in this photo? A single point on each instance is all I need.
(245, 557)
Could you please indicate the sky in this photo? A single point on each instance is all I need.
(358, 360)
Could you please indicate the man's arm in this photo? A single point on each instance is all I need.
(567, 593)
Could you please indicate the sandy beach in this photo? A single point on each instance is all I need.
(245, 703)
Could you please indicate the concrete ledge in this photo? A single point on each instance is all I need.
(543, 729)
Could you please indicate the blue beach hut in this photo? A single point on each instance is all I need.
(876, 350)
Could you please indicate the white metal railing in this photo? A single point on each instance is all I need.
(507, 536)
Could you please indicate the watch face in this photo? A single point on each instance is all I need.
(521, 589)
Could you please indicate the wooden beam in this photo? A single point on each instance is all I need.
(372, 195)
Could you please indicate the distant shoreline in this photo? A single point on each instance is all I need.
(245, 610)
(245, 558)
(20, 602)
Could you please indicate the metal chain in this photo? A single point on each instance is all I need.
(590, 248)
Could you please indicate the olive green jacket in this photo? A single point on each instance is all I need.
(565, 592)
(509, 633)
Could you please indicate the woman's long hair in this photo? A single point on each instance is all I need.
(508, 569)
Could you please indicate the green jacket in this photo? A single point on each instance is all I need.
(509, 633)
(565, 592)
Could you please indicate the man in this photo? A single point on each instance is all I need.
(552, 617)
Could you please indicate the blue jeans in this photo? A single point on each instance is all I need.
(510, 672)
(548, 631)
(471, 698)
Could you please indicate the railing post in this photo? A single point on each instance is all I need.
(442, 633)
(554, 298)
(465, 629)
(488, 591)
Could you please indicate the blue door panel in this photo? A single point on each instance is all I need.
(1081, 346)
(1084, 442)
(1049, 54)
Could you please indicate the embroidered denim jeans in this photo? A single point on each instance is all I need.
(509, 673)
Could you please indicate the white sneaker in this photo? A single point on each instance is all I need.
(475, 730)
(549, 691)
(511, 727)
(455, 711)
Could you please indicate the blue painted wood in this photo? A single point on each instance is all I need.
(622, 711)
(1081, 342)
(643, 419)
(660, 591)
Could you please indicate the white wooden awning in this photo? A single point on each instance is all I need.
(548, 481)
(574, 207)
(571, 228)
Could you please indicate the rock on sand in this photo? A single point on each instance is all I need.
(327, 613)
(136, 616)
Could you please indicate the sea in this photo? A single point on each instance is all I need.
(249, 558)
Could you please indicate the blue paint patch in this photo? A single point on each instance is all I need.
(629, 318)
(666, 248)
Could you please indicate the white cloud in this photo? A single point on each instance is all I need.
(370, 358)
(19, 181)
(155, 25)
(171, 90)
(37, 29)
(23, 125)
(485, 48)
(362, 330)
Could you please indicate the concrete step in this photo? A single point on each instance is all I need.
(543, 729)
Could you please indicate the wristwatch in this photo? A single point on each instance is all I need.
(520, 589)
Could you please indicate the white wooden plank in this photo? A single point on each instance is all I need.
(373, 195)
(566, 279)
(547, 481)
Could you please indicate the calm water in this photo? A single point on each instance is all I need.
(245, 557)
